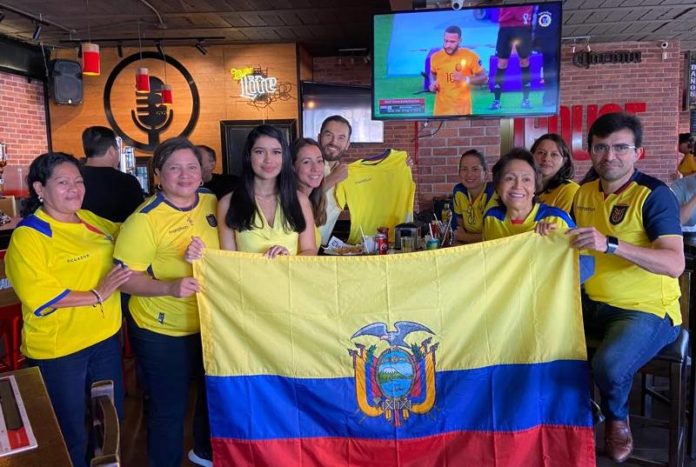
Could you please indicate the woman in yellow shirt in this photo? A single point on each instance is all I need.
(59, 262)
(266, 213)
(308, 163)
(516, 179)
(472, 197)
(555, 163)
(163, 324)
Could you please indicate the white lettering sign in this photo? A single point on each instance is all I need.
(254, 86)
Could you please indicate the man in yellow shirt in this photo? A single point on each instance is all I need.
(452, 71)
(629, 222)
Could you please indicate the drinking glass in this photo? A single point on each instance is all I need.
(408, 244)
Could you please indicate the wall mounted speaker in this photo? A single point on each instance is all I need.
(66, 82)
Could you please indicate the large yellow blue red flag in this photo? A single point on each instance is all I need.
(472, 355)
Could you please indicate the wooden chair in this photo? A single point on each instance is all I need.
(671, 363)
(105, 426)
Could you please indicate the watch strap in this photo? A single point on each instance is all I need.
(612, 245)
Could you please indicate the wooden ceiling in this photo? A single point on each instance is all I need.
(322, 26)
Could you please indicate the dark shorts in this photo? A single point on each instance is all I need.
(506, 37)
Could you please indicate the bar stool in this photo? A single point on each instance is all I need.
(671, 363)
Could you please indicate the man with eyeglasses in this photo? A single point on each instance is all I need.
(629, 222)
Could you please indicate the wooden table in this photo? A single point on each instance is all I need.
(51, 449)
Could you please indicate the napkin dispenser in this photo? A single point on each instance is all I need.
(408, 229)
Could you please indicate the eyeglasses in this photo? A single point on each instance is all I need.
(602, 149)
(553, 154)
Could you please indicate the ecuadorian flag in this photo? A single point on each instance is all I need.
(472, 355)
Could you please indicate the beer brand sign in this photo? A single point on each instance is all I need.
(254, 83)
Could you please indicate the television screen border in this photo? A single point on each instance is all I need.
(339, 86)
(505, 115)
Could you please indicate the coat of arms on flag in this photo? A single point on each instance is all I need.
(400, 379)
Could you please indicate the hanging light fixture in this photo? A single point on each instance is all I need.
(91, 62)
(142, 74)
(167, 97)
(142, 79)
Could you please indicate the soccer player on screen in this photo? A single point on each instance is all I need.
(452, 70)
(515, 30)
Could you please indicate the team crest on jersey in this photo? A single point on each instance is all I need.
(212, 221)
(393, 378)
(618, 213)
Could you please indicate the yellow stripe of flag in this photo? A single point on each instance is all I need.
(294, 316)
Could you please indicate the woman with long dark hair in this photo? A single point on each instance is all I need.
(60, 264)
(308, 163)
(555, 163)
(266, 213)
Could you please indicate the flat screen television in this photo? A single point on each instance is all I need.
(352, 102)
(498, 61)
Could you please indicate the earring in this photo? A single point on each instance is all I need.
(40, 199)
(159, 187)
(201, 183)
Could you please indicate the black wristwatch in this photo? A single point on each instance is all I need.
(612, 245)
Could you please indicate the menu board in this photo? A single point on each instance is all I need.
(16, 434)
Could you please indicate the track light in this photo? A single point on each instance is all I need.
(201, 48)
(37, 32)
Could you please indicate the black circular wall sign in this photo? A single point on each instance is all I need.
(150, 114)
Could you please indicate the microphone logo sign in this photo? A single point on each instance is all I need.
(148, 114)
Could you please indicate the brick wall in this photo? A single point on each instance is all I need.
(22, 118)
(654, 81)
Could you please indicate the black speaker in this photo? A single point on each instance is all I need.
(66, 82)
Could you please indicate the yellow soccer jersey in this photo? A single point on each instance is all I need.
(378, 193)
(454, 97)
(45, 261)
(642, 211)
(497, 224)
(469, 213)
(687, 166)
(154, 239)
(260, 239)
(561, 197)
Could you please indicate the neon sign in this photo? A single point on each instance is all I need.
(254, 83)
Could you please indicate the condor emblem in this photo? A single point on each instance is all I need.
(618, 213)
(211, 220)
(397, 379)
